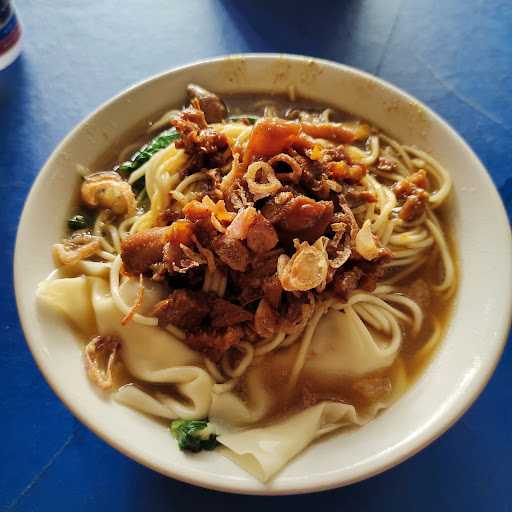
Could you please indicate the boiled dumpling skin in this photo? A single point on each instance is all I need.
(342, 346)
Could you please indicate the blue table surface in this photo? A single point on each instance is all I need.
(455, 55)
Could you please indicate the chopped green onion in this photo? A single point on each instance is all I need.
(193, 435)
(246, 117)
(148, 150)
(78, 222)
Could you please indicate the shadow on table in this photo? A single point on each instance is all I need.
(506, 195)
(14, 106)
(321, 28)
(11, 80)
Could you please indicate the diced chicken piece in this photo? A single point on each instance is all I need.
(385, 164)
(365, 275)
(414, 205)
(143, 249)
(195, 135)
(408, 185)
(183, 308)
(347, 281)
(250, 283)
(413, 189)
(195, 211)
(270, 137)
(300, 217)
(272, 290)
(339, 132)
(342, 171)
(232, 252)
(214, 342)
(261, 236)
(225, 313)
(213, 107)
(266, 320)
(357, 197)
(373, 272)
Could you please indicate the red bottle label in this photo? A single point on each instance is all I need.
(9, 27)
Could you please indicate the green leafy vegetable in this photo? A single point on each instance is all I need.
(193, 435)
(78, 222)
(246, 117)
(148, 150)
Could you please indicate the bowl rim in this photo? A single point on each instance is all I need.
(412, 445)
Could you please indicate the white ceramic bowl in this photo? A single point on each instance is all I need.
(450, 384)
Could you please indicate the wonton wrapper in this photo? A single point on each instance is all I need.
(342, 345)
(262, 452)
(229, 409)
(71, 297)
(150, 354)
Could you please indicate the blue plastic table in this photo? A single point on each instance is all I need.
(454, 55)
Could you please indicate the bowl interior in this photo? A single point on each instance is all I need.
(448, 386)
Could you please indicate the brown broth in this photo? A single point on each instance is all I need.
(245, 104)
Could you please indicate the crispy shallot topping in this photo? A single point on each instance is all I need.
(241, 223)
(107, 190)
(139, 299)
(215, 211)
(286, 167)
(75, 249)
(341, 237)
(366, 245)
(100, 355)
(207, 255)
(194, 256)
(236, 172)
(306, 269)
(262, 171)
